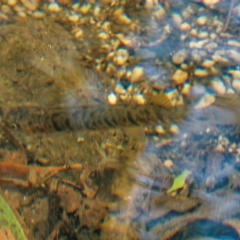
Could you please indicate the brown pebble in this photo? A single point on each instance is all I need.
(64, 2)
(179, 77)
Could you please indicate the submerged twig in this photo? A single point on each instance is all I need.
(229, 15)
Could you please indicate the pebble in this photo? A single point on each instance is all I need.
(236, 84)
(111, 69)
(84, 9)
(74, 18)
(211, 46)
(118, 12)
(159, 129)
(159, 12)
(177, 19)
(194, 32)
(210, 2)
(233, 43)
(119, 89)
(179, 77)
(30, 4)
(207, 63)
(12, 2)
(121, 56)
(124, 19)
(205, 101)
(139, 99)
(174, 129)
(168, 163)
(115, 43)
(103, 36)
(150, 4)
(5, 9)
(202, 34)
(126, 41)
(137, 74)
(235, 73)
(198, 44)
(43, 160)
(54, 7)
(234, 55)
(201, 72)
(218, 86)
(144, 53)
(220, 59)
(120, 72)
(180, 56)
(112, 98)
(202, 20)
(185, 27)
(38, 14)
(64, 2)
(78, 33)
(236, 11)
(186, 88)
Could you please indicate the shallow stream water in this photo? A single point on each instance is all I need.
(120, 119)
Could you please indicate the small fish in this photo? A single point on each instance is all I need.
(224, 111)
(95, 117)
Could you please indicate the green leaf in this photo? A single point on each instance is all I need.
(179, 181)
(9, 220)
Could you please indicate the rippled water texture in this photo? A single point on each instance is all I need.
(120, 119)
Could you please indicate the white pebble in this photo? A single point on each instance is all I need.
(112, 98)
